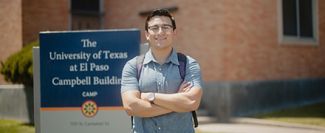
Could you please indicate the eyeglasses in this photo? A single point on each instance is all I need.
(164, 28)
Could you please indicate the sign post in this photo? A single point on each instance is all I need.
(80, 78)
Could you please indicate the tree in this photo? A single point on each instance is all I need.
(18, 68)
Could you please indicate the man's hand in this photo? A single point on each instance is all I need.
(135, 106)
(144, 96)
(185, 87)
(186, 99)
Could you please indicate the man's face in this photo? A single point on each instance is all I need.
(160, 32)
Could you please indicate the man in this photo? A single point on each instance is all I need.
(158, 99)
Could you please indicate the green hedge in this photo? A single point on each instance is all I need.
(18, 68)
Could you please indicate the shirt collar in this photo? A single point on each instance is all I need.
(172, 58)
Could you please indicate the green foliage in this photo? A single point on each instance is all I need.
(18, 68)
(310, 114)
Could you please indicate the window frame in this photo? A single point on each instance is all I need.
(101, 14)
(297, 40)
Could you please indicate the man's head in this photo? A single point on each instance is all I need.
(160, 30)
(160, 12)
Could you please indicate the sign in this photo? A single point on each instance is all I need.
(80, 80)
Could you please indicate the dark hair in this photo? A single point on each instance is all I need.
(160, 12)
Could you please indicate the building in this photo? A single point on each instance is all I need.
(255, 55)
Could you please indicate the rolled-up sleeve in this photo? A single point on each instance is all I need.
(193, 73)
(129, 76)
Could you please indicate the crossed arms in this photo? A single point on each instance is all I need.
(187, 99)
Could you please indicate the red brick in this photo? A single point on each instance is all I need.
(11, 29)
(233, 40)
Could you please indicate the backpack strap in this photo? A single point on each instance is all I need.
(139, 66)
(196, 123)
(182, 65)
(182, 60)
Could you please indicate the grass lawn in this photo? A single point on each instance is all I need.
(310, 115)
(11, 126)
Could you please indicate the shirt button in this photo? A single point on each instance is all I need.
(159, 128)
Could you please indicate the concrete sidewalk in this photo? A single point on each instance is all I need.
(250, 125)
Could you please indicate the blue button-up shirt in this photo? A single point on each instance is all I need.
(163, 78)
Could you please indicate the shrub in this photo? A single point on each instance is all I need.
(18, 68)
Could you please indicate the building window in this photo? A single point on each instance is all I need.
(299, 21)
(86, 14)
